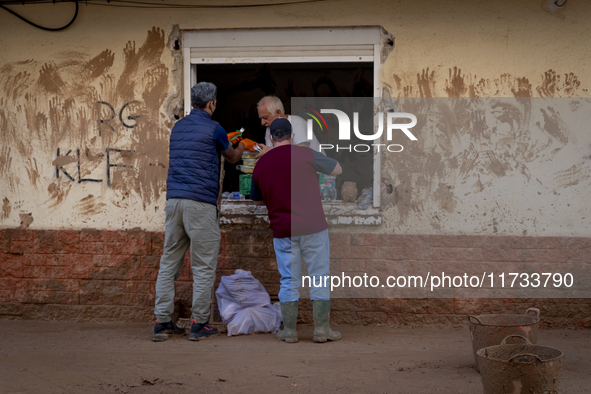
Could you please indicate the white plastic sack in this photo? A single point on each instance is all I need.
(245, 305)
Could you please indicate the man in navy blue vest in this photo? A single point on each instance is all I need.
(193, 187)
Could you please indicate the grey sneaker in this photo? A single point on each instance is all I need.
(163, 331)
(201, 331)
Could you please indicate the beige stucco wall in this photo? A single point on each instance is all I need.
(50, 84)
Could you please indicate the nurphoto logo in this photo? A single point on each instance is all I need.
(345, 129)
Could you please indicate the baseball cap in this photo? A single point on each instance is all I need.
(280, 127)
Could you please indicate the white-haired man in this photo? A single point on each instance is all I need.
(271, 108)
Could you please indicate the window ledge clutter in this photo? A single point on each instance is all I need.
(244, 212)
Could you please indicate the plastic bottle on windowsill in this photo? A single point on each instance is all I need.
(364, 201)
(330, 191)
(236, 196)
(321, 183)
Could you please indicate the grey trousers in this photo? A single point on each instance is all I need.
(195, 224)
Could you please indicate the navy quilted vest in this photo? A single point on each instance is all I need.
(194, 161)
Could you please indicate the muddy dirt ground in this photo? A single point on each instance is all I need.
(44, 357)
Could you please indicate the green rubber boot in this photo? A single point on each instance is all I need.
(322, 331)
(289, 312)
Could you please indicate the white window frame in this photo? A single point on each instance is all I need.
(285, 45)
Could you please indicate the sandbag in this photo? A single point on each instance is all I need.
(245, 305)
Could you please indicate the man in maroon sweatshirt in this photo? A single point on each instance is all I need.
(284, 180)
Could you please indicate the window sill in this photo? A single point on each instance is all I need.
(338, 213)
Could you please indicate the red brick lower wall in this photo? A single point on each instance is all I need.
(110, 275)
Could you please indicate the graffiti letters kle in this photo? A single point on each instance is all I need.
(66, 158)
(128, 121)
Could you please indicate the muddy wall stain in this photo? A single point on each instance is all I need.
(90, 205)
(502, 134)
(26, 220)
(78, 104)
(32, 172)
(6, 208)
(5, 160)
(554, 125)
(455, 85)
(572, 176)
(58, 191)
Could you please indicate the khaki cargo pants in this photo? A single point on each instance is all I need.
(188, 224)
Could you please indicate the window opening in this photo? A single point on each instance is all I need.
(289, 51)
(241, 86)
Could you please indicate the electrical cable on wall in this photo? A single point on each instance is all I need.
(158, 5)
(135, 4)
(42, 27)
(145, 4)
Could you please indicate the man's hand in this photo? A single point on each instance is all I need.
(233, 155)
(249, 144)
(264, 150)
(235, 137)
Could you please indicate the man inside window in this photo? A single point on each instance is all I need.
(284, 180)
(270, 108)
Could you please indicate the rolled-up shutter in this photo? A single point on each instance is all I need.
(281, 45)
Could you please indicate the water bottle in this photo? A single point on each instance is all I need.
(364, 201)
(321, 183)
(236, 196)
(329, 194)
(330, 191)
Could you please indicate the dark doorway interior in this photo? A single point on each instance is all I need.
(241, 86)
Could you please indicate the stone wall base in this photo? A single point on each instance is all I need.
(110, 275)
